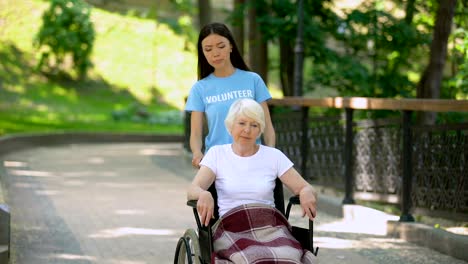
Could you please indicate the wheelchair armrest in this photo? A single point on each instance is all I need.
(294, 199)
(204, 232)
(308, 238)
(192, 203)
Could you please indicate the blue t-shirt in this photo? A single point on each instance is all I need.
(214, 95)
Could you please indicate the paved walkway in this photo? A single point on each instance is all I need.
(124, 203)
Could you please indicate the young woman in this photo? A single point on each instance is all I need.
(223, 77)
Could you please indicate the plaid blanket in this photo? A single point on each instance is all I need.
(256, 233)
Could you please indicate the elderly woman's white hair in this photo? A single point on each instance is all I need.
(245, 107)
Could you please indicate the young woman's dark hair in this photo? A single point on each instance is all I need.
(204, 68)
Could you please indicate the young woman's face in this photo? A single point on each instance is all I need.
(245, 130)
(217, 50)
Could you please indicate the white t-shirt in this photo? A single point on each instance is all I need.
(243, 180)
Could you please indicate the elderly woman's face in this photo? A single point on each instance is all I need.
(245, 130)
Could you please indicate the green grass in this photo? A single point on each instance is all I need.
(388, 208)
(140, 66)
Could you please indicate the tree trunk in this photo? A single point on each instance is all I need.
(204, 12)
(238, 26)
(286, 66)
(258, 50)
(409, 11)
(429, 85)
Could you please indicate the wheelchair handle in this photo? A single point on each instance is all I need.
(295, 200)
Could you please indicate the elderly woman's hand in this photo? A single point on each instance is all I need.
(308, 199)
(205, 207)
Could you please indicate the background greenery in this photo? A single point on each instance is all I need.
(142, 72)
(144, 59)
(144, 64)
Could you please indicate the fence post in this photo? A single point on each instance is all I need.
(187, 130)
(304, 140)
(187, 115)
(348, 158)
(271, 109)
(407, 157)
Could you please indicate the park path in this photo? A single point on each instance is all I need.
(124, 203)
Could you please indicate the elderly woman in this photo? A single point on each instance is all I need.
(244, 174)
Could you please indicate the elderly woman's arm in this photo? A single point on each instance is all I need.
(307, 195)
(198, 191)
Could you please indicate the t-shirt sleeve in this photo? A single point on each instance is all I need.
(284, 163)
(195, 99)
(209, 160)
(261, 91)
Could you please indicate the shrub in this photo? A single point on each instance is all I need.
(66, 38)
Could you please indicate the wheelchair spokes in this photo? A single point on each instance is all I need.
(188, 249)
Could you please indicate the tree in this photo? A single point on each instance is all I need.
(204, 12)
(238, 28)
(66, 31)
(456, 86)
(277, 21)
(366, 50)
(286, 37)
(286, 65)
(431, 79)
(258, 47)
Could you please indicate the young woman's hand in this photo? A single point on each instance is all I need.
(205, 207)
(196, 159)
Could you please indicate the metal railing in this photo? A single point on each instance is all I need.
(421, 168)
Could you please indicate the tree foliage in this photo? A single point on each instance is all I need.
(66, 38)
(431, 79)
(457, 84)
(376, 49)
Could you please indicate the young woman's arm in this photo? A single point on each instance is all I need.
(196, 137)
(269, 135)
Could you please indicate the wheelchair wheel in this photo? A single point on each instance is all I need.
(188, 248)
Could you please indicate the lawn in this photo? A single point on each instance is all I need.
(142, 72)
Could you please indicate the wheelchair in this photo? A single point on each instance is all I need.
(197, 246)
